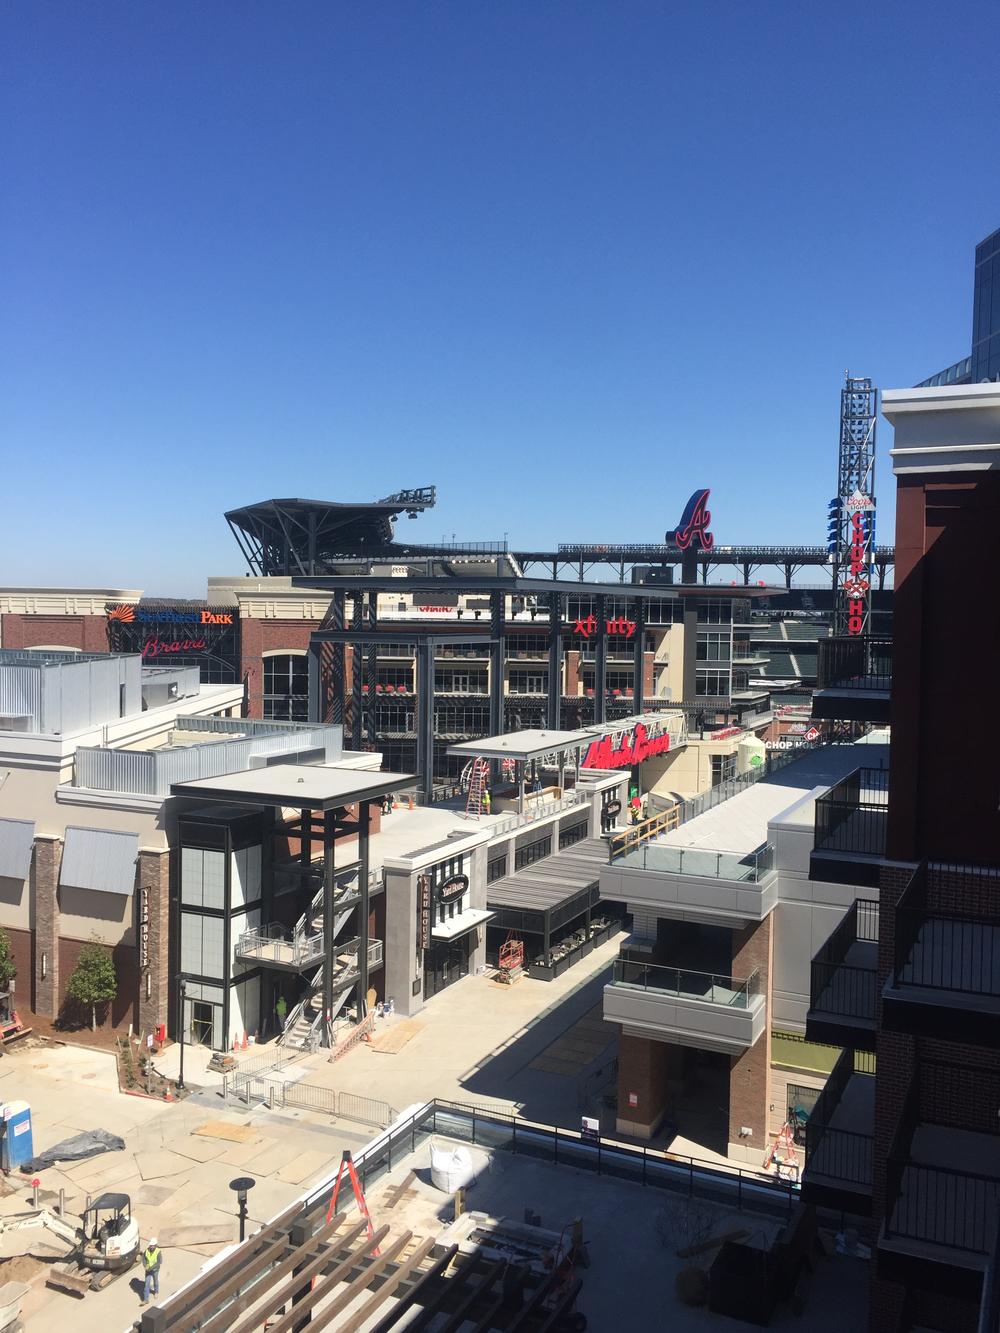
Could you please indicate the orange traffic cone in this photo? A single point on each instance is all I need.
(236, 1043)
(245, 1042)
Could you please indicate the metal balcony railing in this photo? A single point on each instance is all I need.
(712, 987)
(860, 663)
(933, 1202)
(853, 815)
(956, 948)
(846, 1153)
(848, 989)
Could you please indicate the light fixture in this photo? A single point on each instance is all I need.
(241, 1187)
(45, 965)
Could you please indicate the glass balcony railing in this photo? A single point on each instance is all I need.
(668, 859)
(711, 987)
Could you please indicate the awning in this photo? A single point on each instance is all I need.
(99, 859)
(548, 893)
(17, 836)
(461, 924)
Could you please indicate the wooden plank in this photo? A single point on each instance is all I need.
(420, 1288)
(458, 1315)
(266, 1290)
(221, 1129)
(397, 1191)
(330, 1280)
(370, 1306)
(186, 1308)
(359, 1284)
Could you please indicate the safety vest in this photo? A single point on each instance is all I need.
(151, 1259)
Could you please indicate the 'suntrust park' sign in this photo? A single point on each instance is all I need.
(635, 746)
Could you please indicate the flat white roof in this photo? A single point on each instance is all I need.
(528, 744)
(301, 786)
(740, 824)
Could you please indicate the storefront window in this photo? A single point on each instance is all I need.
(286, 687)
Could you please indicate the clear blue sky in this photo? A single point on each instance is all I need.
(567, 261)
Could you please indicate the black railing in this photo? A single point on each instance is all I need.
(951, 949)
(713, 987)
(860, 663)
(930, 1202)
(846, 1154)
(842, 988)
(493, 1128)
(852, 816)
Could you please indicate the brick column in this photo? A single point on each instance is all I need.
(648, 1073)
(45, 888)
(152, 938)
(750, 1071)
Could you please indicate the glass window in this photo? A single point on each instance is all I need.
(496, 869)
(528, 682)
(286, 687)
(534, 851)
(201, 945)
(203, 878)
(716, 612)
(712, 683)
(712, 646)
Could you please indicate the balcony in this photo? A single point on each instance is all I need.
(850, 829)
(943, 1180)
(727, 888)
(843, 987)
(946, 970)
(706, 1010)
(853, 679)
(840, 1139)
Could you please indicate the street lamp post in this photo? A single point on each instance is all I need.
(241, 1186)
(181, 992)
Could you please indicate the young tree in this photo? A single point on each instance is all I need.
(8, 970)
(94, 980)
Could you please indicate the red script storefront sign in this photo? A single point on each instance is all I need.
(635, 746)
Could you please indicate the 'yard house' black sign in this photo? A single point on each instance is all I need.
(424, 911)
(613, 809)
(452, 888)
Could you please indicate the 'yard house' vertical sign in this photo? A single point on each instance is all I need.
(424, 911)
(144, 928)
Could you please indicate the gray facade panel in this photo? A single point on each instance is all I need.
(17, 837)
(99, 859)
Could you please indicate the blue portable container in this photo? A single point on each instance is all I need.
(16, 1145)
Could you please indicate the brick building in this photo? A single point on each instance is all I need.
(917, 980)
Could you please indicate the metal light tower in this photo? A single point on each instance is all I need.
(852, 511)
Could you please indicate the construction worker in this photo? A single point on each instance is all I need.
(151, 1259)
(281, 1009)
(487, 801)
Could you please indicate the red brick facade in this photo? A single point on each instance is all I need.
(260, 637)
(88, 633)
(750, 1072)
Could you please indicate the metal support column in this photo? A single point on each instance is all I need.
(637, 614)
(329, 832)
(357, 668)
(336, 617)
(425, 716)
(364, 908)
(315, 663)
(498, 653)
(547, 941)
(600, 660)
(552, 715)
(371, 671)
(689, 575)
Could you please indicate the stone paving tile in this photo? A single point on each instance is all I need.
(155, 1165)
(153, 1195)
(241, 1154)
(272, 1159)
(197, 1149)
(308, 1165)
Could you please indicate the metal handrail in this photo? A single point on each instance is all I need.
(620, 844)
(705, 863)
(857, 663)
(702, 985)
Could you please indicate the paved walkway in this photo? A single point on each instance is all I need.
(176, 1167)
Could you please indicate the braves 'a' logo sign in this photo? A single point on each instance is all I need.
(693, 525)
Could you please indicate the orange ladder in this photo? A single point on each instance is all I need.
(347, 1164)
(475, 801)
